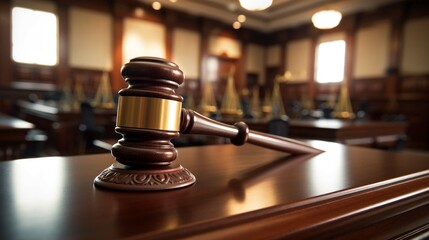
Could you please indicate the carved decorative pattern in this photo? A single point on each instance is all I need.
(119, 178)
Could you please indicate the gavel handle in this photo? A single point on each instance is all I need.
(239, 133)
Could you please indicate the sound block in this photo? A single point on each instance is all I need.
(122, 177)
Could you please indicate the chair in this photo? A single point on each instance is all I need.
(89, 130)
(279, 126)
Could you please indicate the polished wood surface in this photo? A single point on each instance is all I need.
(241, 192)
(12, 136)
(62, 124)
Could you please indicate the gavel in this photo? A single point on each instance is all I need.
(150, 114)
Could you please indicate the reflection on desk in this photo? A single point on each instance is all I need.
(241, 192)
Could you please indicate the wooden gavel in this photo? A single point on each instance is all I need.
(150, 114)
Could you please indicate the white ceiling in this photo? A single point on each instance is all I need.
(282, 13)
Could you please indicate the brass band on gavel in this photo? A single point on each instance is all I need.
(147, 112)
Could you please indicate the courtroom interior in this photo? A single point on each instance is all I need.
(327, 102)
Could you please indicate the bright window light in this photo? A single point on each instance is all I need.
(34, 36)
(330, 58)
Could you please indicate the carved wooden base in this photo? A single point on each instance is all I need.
(121, 177)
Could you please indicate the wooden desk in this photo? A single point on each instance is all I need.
(12, 136)
(62, 125)
(349, 132)
(359, 133)
(349, 192)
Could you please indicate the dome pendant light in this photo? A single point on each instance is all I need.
(326, 19)
(256, 5)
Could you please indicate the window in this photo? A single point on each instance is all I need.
(330, 58)
(34, 36)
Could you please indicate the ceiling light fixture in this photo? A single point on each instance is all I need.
(156, 5)
(236, 25)
(241, 18)
(326, 19)
(255, 5)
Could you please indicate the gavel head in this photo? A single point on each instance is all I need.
(148, 113)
